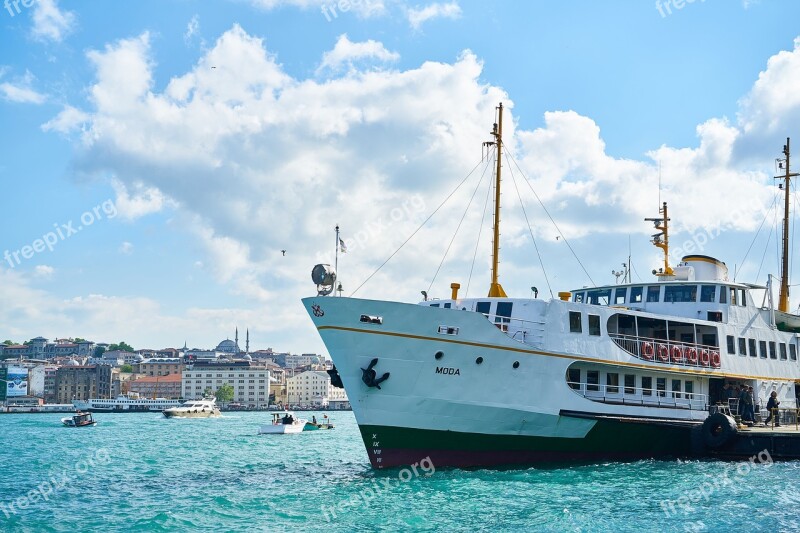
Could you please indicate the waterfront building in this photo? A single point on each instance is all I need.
(251, 384)
(313, 388)
(166, 386)
(159, 366)
(16, 351)
(77, 382)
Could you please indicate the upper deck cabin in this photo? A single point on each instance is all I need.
(699, 289)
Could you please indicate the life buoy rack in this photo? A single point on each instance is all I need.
(647, 350)
(663, 353)
(676, 353)
(716, 362)
(705, 358)
(691, 356)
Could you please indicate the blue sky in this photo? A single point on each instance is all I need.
(202, 138)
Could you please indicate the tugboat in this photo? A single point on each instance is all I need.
(79, 420)
(612, 372)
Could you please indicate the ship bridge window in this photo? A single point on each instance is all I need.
(723, 298)
(783, 351)
(636, 295)
(792, 352)
(680, 293)
(575, 322)
(503, 314)
(653, 293)
(773, 352)
(619, 296)
(708, 293)
(483, 307)
(579, 297)
(601, 297)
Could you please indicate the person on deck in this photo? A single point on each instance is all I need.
(772, 407)
(748, 413)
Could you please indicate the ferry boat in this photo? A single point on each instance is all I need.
(611, 372)
(125, 403)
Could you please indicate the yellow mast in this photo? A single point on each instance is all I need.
(783, 298)
(662, 239)
(496, 290)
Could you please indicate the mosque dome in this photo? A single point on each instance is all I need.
(228, 346)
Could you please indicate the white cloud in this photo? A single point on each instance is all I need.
(51, 23)
(126, 248)
(137, 200)
(43, 271)
(21, 90)
(192, 29)
(418, 16)
(69, 120)
(331, 9)
(347, 53)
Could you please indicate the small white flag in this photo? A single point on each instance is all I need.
(342, 247)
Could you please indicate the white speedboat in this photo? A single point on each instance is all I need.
(283, 422)
(205, 408)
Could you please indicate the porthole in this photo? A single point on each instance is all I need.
(516, 364)
(479, 360)
(439, 355)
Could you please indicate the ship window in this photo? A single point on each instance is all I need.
(733, 296)
(574, 322)
(661, 386)
(612, 380)
(762, 346)
(743, 299)
(715, 316)
(483, 307)
(783, 351)
(723, 298)
(636, 295)
(653, 293)
(619, 296)
(434, 305)
(448, 305)
(448, 330)
(773, 353)
(676, 388)
(708, 293)
(680, 293)
(742, 346)
(594, 325)
(574, 378)
(602, 297)
(792, 352)
(752, 345)
(592, 380)
(688, 388)
(630, 384)
(504, 309)
(578, 298)
(731, 345)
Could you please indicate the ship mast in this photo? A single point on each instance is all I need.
(496, 290)
(783, 298)
(661, 240)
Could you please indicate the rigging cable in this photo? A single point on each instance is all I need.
(459, 226)
(766, 249)
(514, 179)
(553, 221)
(419, 228)
(766, 214)
(480, 230)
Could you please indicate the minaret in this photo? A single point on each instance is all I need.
(247, 342)
(236, 339)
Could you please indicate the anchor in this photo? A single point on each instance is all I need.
(368, 375)
(336, 379)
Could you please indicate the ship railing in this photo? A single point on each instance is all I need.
(622, 395)
(633, 344)
(526, 331)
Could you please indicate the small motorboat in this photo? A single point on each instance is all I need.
(79, 420)
(313, 425)
(283, 422)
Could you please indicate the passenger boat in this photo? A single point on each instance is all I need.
(205, 408)
(283, 422)
(79, 420)
(611, 372)
(125, 403)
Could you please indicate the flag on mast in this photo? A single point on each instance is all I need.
(342, 247)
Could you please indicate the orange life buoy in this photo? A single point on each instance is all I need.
(691, 355)
(647, 350)
(663, 353)
(705, 358)
(716, 362)
(676, 352)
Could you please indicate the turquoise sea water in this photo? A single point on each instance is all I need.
(141, 472)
